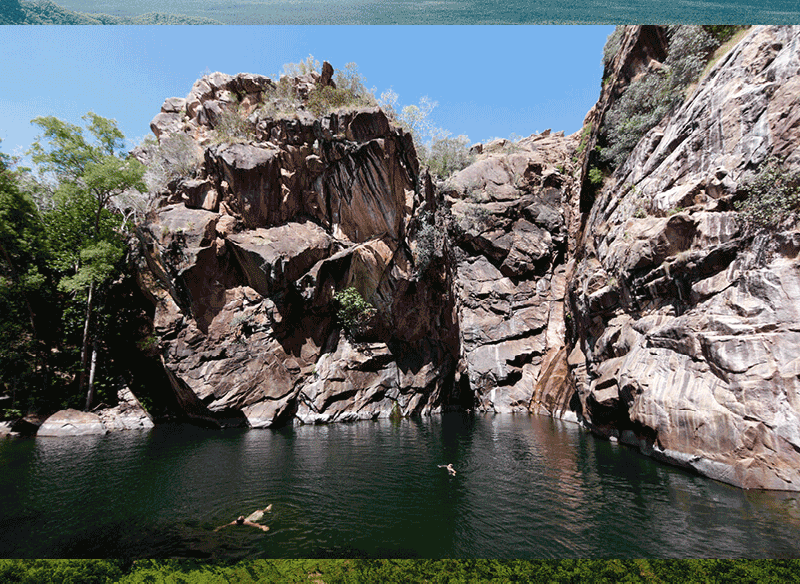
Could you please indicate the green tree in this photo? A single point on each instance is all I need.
(22, 258)
(85, 236)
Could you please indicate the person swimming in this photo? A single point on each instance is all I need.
(449, 468)
(250, 519)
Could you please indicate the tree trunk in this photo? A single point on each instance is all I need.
(90, 393)
(85, 345)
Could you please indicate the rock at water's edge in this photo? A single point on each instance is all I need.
(72, 423)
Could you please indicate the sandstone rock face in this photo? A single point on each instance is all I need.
(686, 323)
(509, 236)
(243, 259)
(647, 311)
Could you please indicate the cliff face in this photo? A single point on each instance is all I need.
(645, 309)
(244, 258)
(687, 323)
(509, 225)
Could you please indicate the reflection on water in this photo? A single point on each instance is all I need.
(527, 487)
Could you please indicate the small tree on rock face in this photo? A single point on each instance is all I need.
(84, 234)
(353, 311)
(448, 155)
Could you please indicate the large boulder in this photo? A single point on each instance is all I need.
(243, 261)
(128, 414)
(72, 423)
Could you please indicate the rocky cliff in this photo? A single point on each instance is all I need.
(244, 258)
(648, 309)
(686, 318)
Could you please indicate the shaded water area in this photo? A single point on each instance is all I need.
(527, 487)
(313, 12)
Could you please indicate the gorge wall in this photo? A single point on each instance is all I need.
(646, 310)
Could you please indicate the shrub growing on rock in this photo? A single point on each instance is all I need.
(654, 95)
(175, 156)
(232, 128)
(309, 65)
(772, 195)
(425, 244)
(279, 100)
(350, 91)
(353, 311)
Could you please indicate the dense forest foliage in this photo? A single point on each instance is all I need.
(389, 571)
(70, 307)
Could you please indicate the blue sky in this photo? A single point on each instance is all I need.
(488, 81)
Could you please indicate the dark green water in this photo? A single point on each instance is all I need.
(313, 12)
(527, 487)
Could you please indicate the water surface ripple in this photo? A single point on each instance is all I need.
(527, 487)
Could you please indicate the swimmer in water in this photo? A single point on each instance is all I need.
(250, 519)
(449, 468)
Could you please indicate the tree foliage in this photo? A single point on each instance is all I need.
(61, 253)
(436, 149)
(23, 260)
(434, 571)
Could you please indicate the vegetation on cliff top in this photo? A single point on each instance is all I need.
(437, 150)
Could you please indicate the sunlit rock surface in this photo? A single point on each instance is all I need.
(244, 258)
(687, 323)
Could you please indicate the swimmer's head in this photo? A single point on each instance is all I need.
(240, 520)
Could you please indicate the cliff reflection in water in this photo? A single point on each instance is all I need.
(526, 487)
